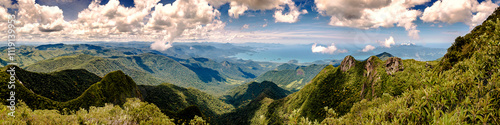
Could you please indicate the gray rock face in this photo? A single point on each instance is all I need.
(347, 63)
(393, 65)
(370, 66)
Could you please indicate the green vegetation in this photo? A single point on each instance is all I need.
(384, 56)
(96, 65)
(132, 112)
(153, 69)
(464, 88)
(114, 88)
(58, 86)
(242, 95)
(461, 88)
(291, 77)
(169, 97)
(28, 55)
(140, 64)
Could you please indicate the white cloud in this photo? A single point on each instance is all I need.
(291, 17)
(175, 18)
(4, 15)
(114, 18)
(7, 4)
(238, 7)
(388, 42)
(328, 49)
(244, 27)
(114, 22)
(368, 48)
(372, 13)
(38, 17)
(453, 11)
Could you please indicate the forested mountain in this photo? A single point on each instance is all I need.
(171, 98)
(462, 88)
(154, 69)
(290, 76)
(96, 65)
(243, 94)
(59, 86)
(145, 66)
(31, 54)
(57, 90)
(114, 88)
(384, 56)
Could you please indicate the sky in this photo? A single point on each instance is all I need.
(326, 24)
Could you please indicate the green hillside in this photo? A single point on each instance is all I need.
(169, 97)
(28, 55)
(245, 93)
(384, 56)
(96, 65)
(461, 88)
(132, 112)
(114, 88)
(291, 77)
(59, 86)
(153, 69)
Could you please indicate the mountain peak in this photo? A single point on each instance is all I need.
(347, 63)
(384, 55)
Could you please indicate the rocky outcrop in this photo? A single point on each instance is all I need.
(370, 66)
(347, 63)
(371, 72)
(393, 65)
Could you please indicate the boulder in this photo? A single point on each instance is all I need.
(393, 65)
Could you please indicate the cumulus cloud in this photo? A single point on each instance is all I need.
(470, 12)
(327, 50)
(7, 4)
(184, 19)
(113, 18)
(4, 15)
(238, 7)
(372, 13)
(43, 18)
(388, 42)
(175, 18)
(291, 17)
(368, 48)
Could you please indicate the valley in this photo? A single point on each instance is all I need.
(200, 83)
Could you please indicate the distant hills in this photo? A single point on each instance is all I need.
(290, 76)
(172, 98)
(153, 69)
(243, 94)
(384, 56)
(147, 67)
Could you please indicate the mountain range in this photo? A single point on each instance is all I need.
(67, 81)
(145, 67)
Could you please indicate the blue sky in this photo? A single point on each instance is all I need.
(258, 24)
